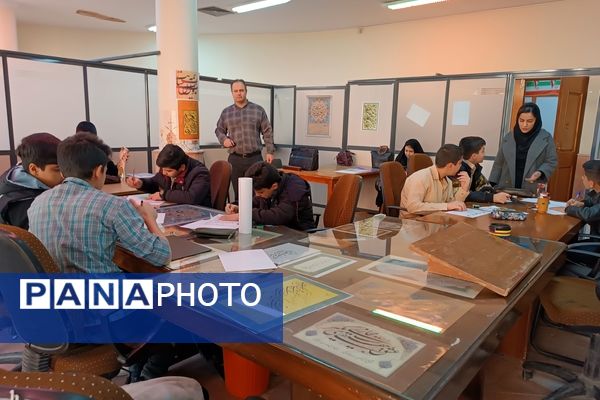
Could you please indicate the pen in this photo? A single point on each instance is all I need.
(577, 195)
(142, 203)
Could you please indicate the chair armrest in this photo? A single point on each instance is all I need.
(589, 236)
(314, 230)
(582, 244)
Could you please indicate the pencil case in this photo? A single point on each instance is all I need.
(509, 214)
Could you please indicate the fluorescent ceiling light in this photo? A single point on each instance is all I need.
(151, 28)
(396, 5)
(257, 5)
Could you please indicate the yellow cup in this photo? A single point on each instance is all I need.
(542, 204)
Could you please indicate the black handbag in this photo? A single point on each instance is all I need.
(306, 158)
(381, 155)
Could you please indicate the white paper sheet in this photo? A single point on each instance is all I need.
(460, 113)
(246, 260)
(418, 115)
(354, 170)
(142, 175)
(288, 252)
(160, 218)
(470, 212)
(552, 204)
(138, 198)
(556, 212)
(214, 222)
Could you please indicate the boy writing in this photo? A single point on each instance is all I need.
(473, 149)
(181, 179)
(80, 225)
(280, 199)
(588, 210)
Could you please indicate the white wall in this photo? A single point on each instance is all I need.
(560, 34)
(86, 44)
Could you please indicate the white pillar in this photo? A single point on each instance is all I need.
(8, 27)
(177, 41)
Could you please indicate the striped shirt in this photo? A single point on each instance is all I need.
(244, 126)
(81, 225)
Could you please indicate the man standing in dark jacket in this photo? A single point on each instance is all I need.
(473, 148)
(21, 184)
(280, 199)
(181, 179)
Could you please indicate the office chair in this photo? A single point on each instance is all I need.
(418, 161)
(24, 253)
(393, 176)
(59, 386)
(341, 206)
(220, 175)
(571, 304)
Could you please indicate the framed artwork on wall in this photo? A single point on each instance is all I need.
(370, 116)
(319, 115)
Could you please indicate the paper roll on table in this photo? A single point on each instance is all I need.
(245, 204)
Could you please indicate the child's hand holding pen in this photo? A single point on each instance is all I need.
(576, 201)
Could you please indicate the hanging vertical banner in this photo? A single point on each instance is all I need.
(187, 105)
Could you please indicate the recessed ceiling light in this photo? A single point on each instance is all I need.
(151, 28)
(257, 5)
(396, 5)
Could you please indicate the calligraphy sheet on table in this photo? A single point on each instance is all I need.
(412, 305)
(368, 346)
(318, 265)
(288, 252)
(185, 213)
(370, 227)
(415, 272)
(302, 296)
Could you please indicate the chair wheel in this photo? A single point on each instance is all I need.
(526, 374)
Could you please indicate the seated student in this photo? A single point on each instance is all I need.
(181, 179)
(112, 171)
(80, 225)
(473, 149)
(411, 146)
(281, 199)
(430, 189)
(588, 211)
(22, 183)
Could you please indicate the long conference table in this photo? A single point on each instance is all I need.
(444, 364)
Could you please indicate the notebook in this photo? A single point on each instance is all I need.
(181, 248)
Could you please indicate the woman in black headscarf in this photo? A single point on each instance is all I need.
(527, 155)
(411, 147)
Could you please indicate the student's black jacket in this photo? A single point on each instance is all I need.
(195, 188)
(15, 200)
(290, 205)
(478, 181)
